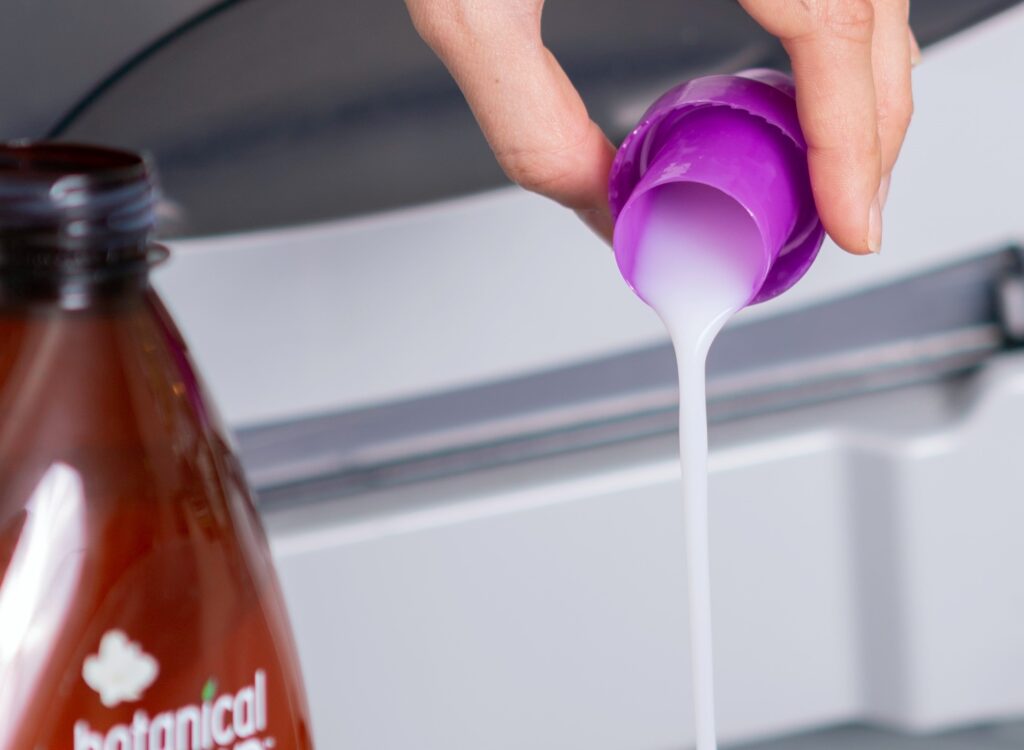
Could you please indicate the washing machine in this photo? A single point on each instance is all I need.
(460, 423)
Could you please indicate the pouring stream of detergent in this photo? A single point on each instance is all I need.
(696, 279)
(713, 212)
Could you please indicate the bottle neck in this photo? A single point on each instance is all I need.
(49, 277)
(75, 223)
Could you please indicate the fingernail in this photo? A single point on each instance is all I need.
(915, 51)
(883, 191)
(875, 226)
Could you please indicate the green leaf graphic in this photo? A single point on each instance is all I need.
(209, 690)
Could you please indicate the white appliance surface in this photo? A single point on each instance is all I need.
(865, 560)
(866, 553)
(321, 318)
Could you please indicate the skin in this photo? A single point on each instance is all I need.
(851, 61)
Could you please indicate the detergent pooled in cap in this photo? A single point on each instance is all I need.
(713, 212)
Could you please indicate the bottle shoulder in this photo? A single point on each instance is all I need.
(111, 400)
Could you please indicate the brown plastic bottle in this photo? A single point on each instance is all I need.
(139, 609)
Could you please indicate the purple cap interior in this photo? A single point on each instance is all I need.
(765, 98)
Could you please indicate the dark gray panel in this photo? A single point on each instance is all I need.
(274, 113)
(996, 737)
(54, 52)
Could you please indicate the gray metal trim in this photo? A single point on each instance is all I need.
(936, 325)
(997, 736)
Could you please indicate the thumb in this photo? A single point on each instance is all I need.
(529, 111)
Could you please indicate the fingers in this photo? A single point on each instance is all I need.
(529, 111)
(851, 60)
(836, 100)
(892, 60)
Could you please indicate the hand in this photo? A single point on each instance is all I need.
(851, 60)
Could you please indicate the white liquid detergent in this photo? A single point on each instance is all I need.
(696, 276)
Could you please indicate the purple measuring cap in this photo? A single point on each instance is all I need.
(738, 134)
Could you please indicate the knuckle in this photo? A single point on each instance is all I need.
(866, 149)
(448, 22)
(853, 20)
(554, 165)
(439, 23)
(898, 114)
(855, 150)
(536, 171)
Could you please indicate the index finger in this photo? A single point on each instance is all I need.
(532, 116)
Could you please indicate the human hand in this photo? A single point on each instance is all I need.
(851, 60)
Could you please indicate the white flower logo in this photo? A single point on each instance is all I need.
(120, 671)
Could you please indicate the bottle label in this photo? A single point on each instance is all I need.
(121, 671)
